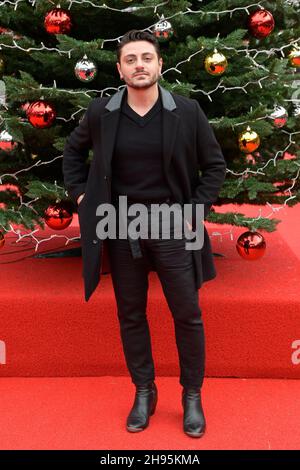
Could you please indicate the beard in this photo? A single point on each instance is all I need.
(146, 82)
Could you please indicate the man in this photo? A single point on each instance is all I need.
(148, 144)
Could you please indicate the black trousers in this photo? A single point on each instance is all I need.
(174, 267)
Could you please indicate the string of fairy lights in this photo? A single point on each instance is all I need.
(250, 54)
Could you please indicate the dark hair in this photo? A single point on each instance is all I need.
(137, 35)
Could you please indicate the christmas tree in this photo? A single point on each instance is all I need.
(238, 58)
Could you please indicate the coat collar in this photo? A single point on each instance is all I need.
(167, 100)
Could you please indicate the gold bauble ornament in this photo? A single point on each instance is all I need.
(294, 57)
(248, 140)
(215, 63)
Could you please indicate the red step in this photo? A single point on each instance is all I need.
(251, 312)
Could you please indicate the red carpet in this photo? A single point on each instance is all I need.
(252, 320)
(251, 312)
(90, 413)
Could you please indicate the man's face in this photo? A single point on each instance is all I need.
(139, 57)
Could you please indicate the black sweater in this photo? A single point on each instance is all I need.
(137, 165)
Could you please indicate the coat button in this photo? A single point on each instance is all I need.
(95, 242)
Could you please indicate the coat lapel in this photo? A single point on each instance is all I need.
(110, 121)
(109, 126)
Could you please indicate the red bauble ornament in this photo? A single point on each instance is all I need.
(24, 107)
(59, 215)
(58, 21)
(40, 114)
(289, 156)
(261, 23)
(23, 111)
(10, 32)
(9, 187)
(251, 245)
(250, 159)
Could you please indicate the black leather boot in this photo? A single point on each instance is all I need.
(143, 407)
(193, 417)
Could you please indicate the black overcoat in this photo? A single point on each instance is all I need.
(189, 144)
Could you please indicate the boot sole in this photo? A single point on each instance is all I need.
(134, 429)
(195, 434)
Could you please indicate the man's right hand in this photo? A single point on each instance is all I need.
(79, 199)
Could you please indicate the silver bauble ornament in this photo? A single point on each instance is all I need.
(163, 30)
(296, 110)
(85, 69)
(279, 116)
(7, 143)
